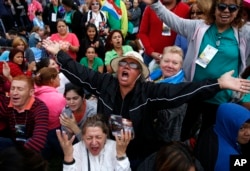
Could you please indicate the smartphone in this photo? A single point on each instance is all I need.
(68, 112)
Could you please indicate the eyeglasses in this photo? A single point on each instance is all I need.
(95, 3)
(232, 8)
(196, 12)
(130, 64)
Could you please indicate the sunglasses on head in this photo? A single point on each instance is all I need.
(130, 64)
(232, 8)
(95, 3)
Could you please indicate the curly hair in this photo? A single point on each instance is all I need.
(237, 22)
(109, 46)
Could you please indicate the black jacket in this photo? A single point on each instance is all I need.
(47, 17)
(139, 104)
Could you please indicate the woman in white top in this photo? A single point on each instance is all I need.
(97, 17)
(95, 152)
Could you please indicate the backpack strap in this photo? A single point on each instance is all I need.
(102, 16)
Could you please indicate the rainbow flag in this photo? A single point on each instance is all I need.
(112, 9)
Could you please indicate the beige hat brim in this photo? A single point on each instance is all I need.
(114, 64)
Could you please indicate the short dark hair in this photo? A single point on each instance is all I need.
(77, 89)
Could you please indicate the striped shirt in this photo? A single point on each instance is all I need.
(35, 121)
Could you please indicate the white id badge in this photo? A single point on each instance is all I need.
(166, 31)
(53, 17)
(206, 56)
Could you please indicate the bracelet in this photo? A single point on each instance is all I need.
(121, 158)
(69, 163)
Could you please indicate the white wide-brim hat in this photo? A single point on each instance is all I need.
(133, 55)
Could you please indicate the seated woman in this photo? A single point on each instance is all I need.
(16, 65)
(70, 41)
(46, 81)
(97, 17)
(21, 44)
(115, 47)
(231, 129)
(91, 38)
(95, 151)
(92, 61)
(77, 111)
(168, 122)
(51, 63)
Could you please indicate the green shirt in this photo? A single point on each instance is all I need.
(119, 24)
(109, 55)
(226, 59)
(246, 97)
(96, 63)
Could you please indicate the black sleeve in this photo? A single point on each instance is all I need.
(165, 95)
(77, 26)
(46, 15)
(101, 50)
(81, 75)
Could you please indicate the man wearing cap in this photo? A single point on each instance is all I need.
(129, 95)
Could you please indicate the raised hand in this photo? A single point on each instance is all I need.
(226, 81)
(122, 142)
(70, 123)
(6, 71)
(66, 145)
(50, 46)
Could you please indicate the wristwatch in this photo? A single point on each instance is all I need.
(121, 158)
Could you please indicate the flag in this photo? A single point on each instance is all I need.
(112, 9)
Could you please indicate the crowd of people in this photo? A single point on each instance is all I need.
(174, 74)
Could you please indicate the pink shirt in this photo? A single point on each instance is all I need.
(70, 38)
(54, 101)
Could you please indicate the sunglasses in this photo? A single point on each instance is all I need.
(196, 12)
(95, 3)
(130, 64)
(232, 8)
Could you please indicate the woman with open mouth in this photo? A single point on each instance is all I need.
(95, 151)
(114, 48)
